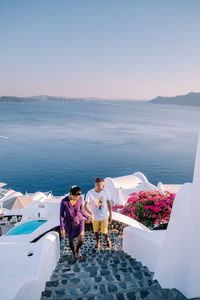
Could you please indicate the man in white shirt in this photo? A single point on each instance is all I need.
(101, 210)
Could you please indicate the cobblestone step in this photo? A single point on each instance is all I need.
(107, 274)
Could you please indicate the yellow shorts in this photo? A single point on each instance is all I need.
(101, 226)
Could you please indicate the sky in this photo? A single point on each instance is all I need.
(114, 49)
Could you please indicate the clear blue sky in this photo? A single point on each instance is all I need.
(106, 48)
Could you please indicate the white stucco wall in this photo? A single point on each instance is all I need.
(120, 188)
(23, 277)
(179, 260)
(140, 242)
(173, 261)
(143, 245)
(129, 221)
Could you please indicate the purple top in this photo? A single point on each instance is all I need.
(71, 217)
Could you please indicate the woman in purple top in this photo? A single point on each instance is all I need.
(71, 219)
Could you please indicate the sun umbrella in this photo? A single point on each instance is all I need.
(17, 202)
(2, 184)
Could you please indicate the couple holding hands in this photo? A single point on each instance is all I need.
(72, 214)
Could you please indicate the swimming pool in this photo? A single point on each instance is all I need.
(26, 228)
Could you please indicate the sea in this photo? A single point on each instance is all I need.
(52, 145)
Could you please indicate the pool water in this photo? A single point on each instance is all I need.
(26, 228)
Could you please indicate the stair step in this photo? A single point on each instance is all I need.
(105, 274)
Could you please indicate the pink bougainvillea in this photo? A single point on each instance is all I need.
(151, 208)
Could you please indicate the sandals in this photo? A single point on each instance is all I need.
(108, 243)
(79, 256)
(96, 248)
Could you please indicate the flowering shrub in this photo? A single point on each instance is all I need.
(151, 208)
(117, 208)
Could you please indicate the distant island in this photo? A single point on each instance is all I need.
(39, 98)
(192, 99)
(15, 99)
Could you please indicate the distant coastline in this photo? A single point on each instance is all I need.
(190, 99)
(45, 98)
(35, 98)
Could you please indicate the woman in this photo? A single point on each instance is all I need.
(71, 219)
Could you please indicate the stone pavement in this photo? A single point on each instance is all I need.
(107, 274)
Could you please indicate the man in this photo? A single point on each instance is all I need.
(101, 210)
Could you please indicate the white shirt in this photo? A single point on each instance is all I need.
(98, 204)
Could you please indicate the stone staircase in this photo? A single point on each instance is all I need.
(107, 274)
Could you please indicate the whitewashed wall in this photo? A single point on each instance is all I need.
(173, 255)
(179, 260)
(23, 277)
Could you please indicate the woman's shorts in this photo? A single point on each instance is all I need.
(101, 226)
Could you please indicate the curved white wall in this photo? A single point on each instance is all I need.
(174, 259)
(179, 262)
(120, 188)
(23, 277)
(129, 221)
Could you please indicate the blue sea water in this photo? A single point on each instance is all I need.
(53, 145)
